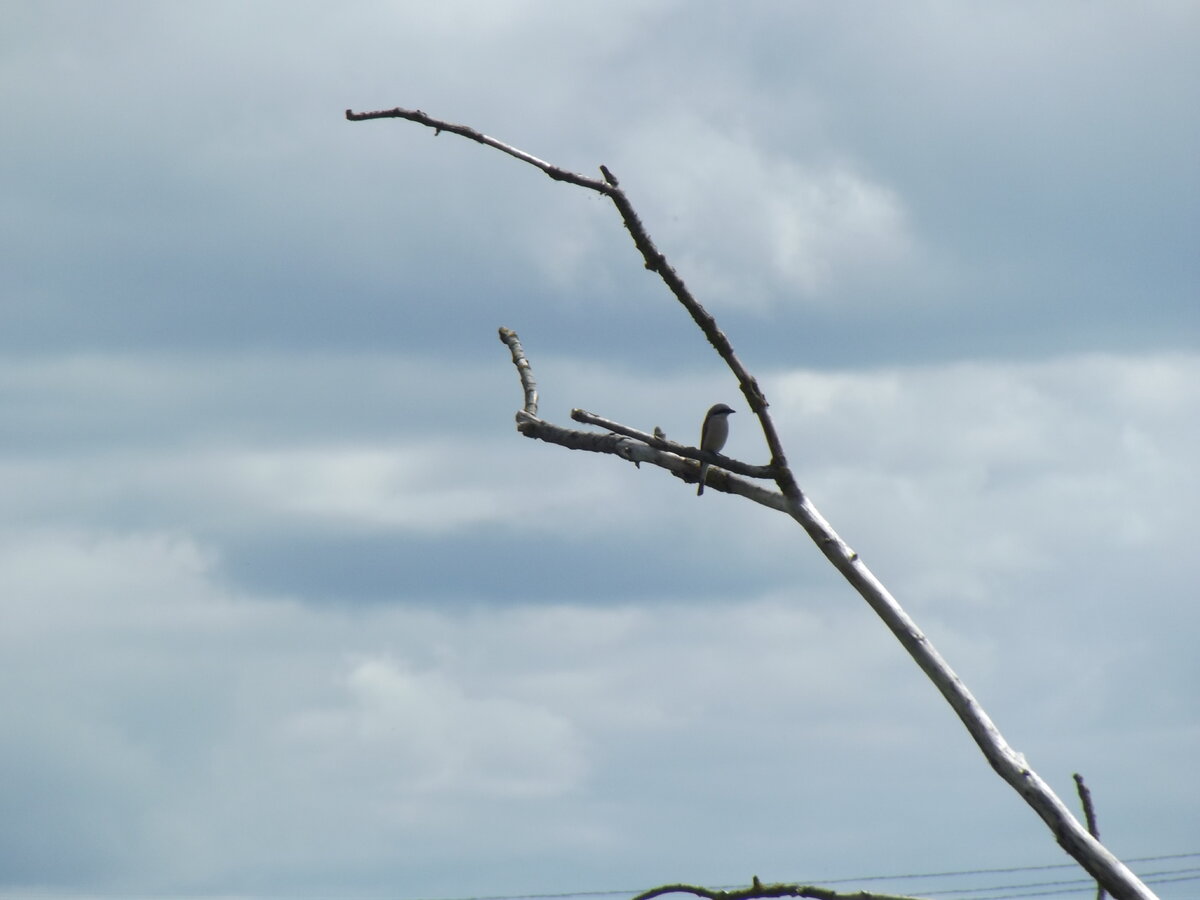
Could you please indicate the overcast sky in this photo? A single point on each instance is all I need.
(289, 609)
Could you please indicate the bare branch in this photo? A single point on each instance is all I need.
(1007, 762)
(1010, 765)
(653, 259)
(725, 462)
(1085, 800)
(510, 339)
(438, 126)
(1089, 814)
(633, 445)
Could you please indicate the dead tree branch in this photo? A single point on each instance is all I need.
(653, 259)
(631, 444)
(1108, 871)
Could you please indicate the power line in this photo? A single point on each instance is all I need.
(1067, 885)
(1070, 885)
(1016, 891)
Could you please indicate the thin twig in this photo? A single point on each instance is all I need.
(509, 338)
(725, 462)
(1085, 800)
(1089, 814)
(630, 444)
(415, 115)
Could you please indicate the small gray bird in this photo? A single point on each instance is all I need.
(713, 435)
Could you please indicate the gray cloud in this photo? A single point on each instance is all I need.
(288, 606)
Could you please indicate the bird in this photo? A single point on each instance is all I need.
(713, 435)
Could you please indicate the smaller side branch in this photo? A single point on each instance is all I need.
(661, 443)
(636, 446)
(509, 338)
(438, 126)
(1085, 800)
(1089, 815)
(653, 259)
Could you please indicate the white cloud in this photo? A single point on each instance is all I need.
(370, 738)
(1047, 465)
(359, 729)
(425, 735)
(751, 226)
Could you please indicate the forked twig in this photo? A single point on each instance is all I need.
(653, 259)
(630, 443)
